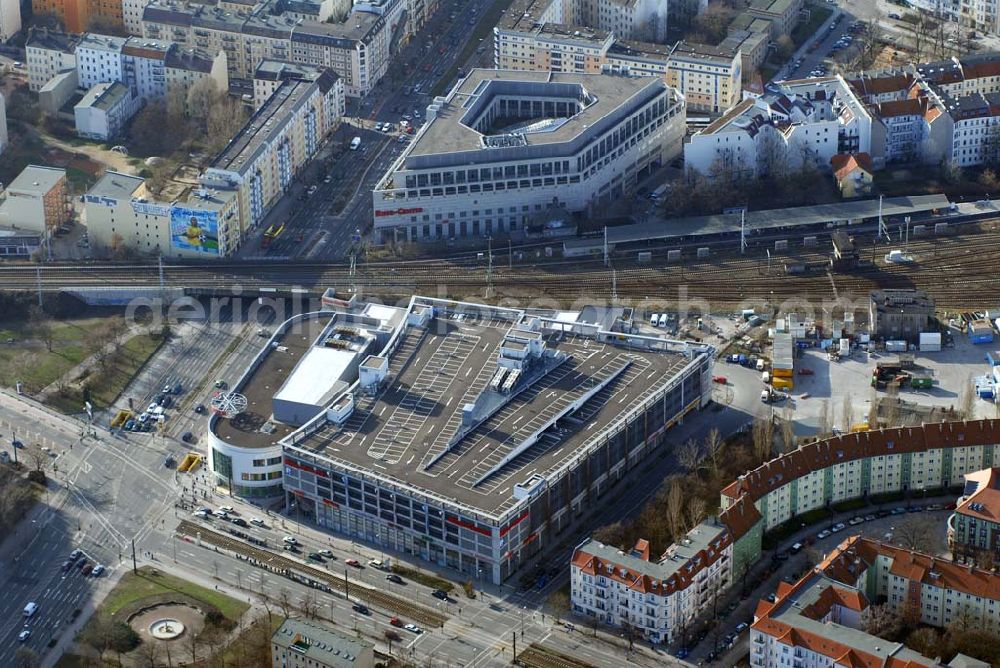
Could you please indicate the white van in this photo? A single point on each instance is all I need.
(356, 143)
(765, 377)
(376, 563)
(663, 320)
(30, 609)
(653, 319)
(760, 364)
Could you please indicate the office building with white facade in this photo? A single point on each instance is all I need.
(505, 150)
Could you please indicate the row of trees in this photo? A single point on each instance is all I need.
(685, 499)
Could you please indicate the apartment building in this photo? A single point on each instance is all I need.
(301, 644)
(10, 19)
(36, 201)
(271, 74)
(260, 162)
(357, 49)
(235, 191)
(656, 598)
(819, 620)
(104, 111)
(974, 528)
(152, 69)
(980, 15)
(122, 218)
(643, 20)
(548, 35)
(99, 59)
(554, 143)
(76, 15)
(47, 53)
(803, 121)
(845, 467)
(782, 14)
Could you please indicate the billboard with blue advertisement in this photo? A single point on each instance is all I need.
(194, 230)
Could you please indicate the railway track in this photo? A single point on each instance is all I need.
(538, 656)
(308, 574)
(956, 270)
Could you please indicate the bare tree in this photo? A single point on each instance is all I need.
(787, 429)
(890, 405)
(881, 620)
(689, 455)
(696, 510)
(847, 411)
(149, 653)
(713, 447)
(825, 419)
(310, 606)
(873, 405)
(559, 601)
(763, 437)
(916, 532)
(285, 601)
(966, 408)
(41, 326)
(674, 507)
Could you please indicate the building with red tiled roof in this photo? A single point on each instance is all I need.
(854, 174)
(820, 620)
(656, 598)
(974, 528)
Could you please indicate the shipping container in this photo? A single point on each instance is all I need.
(783, 354)
(930, 342)
(782, 373)
(895, 346)
(921, 382)
(779, 383)
(980, 331)
(859, 427)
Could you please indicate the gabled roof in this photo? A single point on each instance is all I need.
(982, 495)
(843, 164)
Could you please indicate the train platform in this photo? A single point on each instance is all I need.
(803, 217)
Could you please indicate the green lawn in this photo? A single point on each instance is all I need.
(28, 360)
(423, 577)
(149, 582)
(103, 385)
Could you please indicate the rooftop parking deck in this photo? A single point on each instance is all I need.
(412, 430)
(253, 428)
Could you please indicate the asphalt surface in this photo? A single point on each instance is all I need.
(103, 493)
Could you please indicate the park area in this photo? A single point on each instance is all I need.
(154, 618)
(64, 363)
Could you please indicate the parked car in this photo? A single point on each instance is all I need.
(98, 570)
(328, 554)
(87, 569)
(256, 521)
(24, 634)
(199, 408)
(290, 540)
(741, 627)
(825, 533)
(240, 522)
(395, 621)
(440, 593)
(839, 526)
(413, 628)
(316, 556)
(360, 608)
(721, 380)
(353, 562)
(392, 577)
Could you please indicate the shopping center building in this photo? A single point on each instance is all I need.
(473, 435)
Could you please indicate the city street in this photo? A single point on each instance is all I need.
(103, 492)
